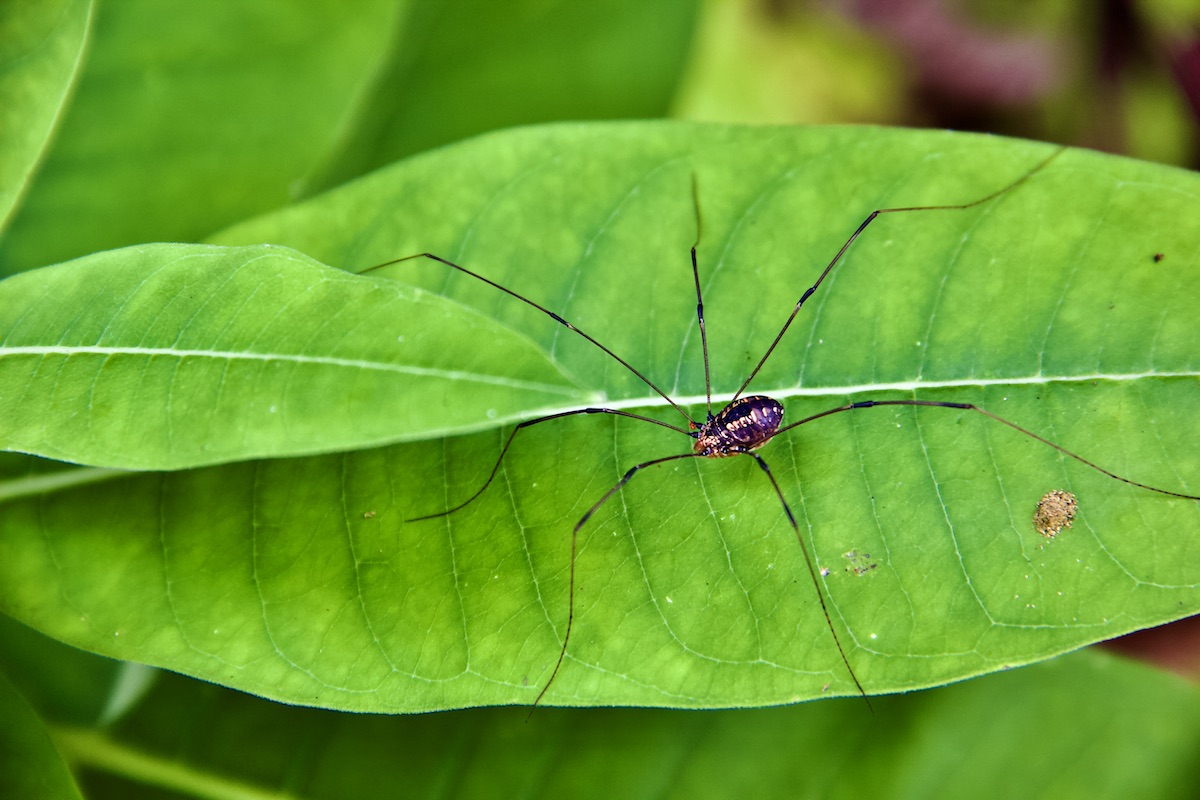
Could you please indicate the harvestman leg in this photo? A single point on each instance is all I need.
(595, 507)
(972, 407)
(562, 653)
(527, 424)
(812, 570)
(548, 313)
(618, 486)
(858, 232)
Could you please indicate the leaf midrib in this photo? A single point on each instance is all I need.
(720, 399)
(331, 361)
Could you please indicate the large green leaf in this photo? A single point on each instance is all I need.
(41, 44)
(191, 116)
(300, 579)
(1081, 727)
(1086, 725)
(188, 116)
(169, 356)
(463, 67)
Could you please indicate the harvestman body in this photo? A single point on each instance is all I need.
(745, 423)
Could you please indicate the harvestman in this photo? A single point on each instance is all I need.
(745, 423)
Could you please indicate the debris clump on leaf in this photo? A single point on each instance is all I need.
(1055, 511)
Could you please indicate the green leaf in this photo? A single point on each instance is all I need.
(30, 766)
(1081, 727)
(191, 116)
(463, 67)
(301, 579)
(41, 44)
(169, 356)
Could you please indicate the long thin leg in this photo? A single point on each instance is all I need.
(990, 415)
(528, 423)
(700, 304)
(871, 218)
(562, 653)
(812, 570)
(542, 309)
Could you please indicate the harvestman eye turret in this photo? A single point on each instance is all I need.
(744, 424)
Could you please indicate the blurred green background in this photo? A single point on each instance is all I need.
(131, 121)
(1120, 76)
(168, 120)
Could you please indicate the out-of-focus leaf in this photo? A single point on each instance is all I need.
(63, 683)
(41, 43)
(1081, 727)
(758, 63)
(30, 766)
(468, 66)
(189, 116)
(192, 116)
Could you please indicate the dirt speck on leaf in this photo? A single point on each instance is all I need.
(860, 563)
(1055, 511)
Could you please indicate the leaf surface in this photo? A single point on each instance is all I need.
(41, 45)
(170, 356)
(301, 579)
(189, 116)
